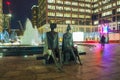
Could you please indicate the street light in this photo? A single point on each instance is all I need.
(10, 15)
(8, 3)
(9, 22)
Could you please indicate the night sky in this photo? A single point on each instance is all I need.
(20, 10)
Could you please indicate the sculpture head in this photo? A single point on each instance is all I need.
(68, 27)
(53, 26)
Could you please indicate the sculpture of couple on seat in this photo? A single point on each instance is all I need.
(52, 50)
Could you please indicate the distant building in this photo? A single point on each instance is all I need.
(83, 15)
(35, 15)
(1, 14)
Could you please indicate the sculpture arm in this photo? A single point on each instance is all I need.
(45, 45)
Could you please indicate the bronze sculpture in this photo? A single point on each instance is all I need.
(68, 48)
(52, 47)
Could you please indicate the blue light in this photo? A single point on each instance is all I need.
(105, 29)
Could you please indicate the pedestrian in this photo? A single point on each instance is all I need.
(102, 41)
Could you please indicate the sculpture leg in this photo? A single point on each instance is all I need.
(75, 59)
(56, 62)
(61, 58)
(79, 58)
(66, 57)
(75, 51)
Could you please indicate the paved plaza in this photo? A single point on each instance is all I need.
(98, 64)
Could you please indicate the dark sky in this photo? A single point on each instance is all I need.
(20, 9)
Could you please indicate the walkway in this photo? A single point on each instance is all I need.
(97, 65)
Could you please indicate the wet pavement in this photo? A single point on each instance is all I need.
(98, 64)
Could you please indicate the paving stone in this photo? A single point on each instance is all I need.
(98, 64)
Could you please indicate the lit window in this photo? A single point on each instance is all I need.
(59, 7)
(87, 1)
(74, 15)
(95, 22)
(74, 3)
(59, 14)
(88, 10)
(81, 16)
(81, 10)
(74, 9)
(59, 1)
(73, 22)
(118, 2)
(51, 7)
(87, 5)
(118, 10)
(67, 2)
(67, 8)
(67, 14)
(107, 13)
(51, 1)
(114, 4)
(88, 16)
(68, 21)
(51, 14)
(95, 5)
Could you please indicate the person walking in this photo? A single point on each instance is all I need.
(102, 41)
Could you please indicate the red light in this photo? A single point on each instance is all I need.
(8, 3)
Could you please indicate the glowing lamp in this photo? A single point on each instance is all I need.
(105, 29)
(8, 3)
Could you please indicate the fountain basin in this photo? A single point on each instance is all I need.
(20, 50)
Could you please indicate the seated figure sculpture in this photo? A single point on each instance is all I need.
(68, 49)
(51, 49)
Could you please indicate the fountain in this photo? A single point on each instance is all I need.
(31, 35)
(29, 43)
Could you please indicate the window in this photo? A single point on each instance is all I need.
(95, 5)
(59, 7)
(87, 29)
(59, 1)
(74, 15)
(51, 14)
(74, 3)
(81, 10)
(81, 16)
(87, 0)
(87, 5)
(118, 10)
(51, 1)
(67, 2)
(88, 16)
(81, 4)
(88, 10)
(118, 2)
(114, 4)
(74, 9)
(95, 22)
(67, 15)
(67, 8)
(51, 7)
(59, 14)
(67, 21)
(107, 13)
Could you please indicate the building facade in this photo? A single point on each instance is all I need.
(34, 15)
(82, 15)
(1, 15)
